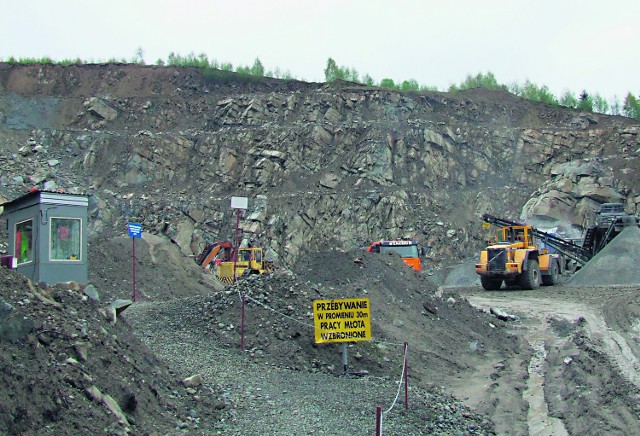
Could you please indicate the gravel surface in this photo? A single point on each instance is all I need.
(267, 399)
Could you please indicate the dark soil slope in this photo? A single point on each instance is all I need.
(66, 369)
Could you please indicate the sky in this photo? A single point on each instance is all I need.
(567, 45)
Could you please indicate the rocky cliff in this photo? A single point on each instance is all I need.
(323, 165)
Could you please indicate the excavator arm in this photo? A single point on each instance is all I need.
(210, 252)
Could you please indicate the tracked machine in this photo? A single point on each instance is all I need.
(218, 258)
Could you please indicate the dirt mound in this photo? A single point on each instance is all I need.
(87, 374)
(616, 264)
(68, 370)
(448, 338)
(162, 272)
(446, 334)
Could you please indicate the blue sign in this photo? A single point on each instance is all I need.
(135, 230)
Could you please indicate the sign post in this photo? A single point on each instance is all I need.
(135, 231)
(346, 320)
(239, 204)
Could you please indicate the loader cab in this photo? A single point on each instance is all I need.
(515, 235)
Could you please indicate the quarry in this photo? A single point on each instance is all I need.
(328, 168)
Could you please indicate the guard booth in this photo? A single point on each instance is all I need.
(47, 233)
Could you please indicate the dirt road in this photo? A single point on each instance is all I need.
(583, 375)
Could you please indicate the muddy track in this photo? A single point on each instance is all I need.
(585, 355)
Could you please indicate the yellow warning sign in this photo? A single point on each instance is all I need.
(346, 320)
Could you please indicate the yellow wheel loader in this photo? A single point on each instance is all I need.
(520, 255)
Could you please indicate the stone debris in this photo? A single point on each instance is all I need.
(94, 394)
(193, 381)
(502, 314)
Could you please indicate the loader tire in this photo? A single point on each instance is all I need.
(530, 278)
(490, 284)
(552, 278)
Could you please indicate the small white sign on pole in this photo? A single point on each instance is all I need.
(239, 203)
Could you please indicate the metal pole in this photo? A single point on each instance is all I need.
(235, 254)
(133, 260)
(378, 420)
(406, 377)
(242, 324)
(344, 358)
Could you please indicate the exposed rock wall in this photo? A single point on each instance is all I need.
(322, 165)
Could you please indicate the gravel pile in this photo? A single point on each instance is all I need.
(265, 398)
(171, 362)
(616, 264)
(462, 275)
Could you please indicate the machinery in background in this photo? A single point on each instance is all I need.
(521, 255)
(605, 224)
(218, 258)
(410, 251)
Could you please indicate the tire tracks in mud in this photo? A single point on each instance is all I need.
(607, 317)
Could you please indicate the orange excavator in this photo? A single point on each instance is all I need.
(213, 253)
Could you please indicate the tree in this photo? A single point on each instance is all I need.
(600, 105)
(331, 72)
(480, 80)
(287, 75)
(615, 106)
(546, 96)
(531, 91)
(586, 102)
(631, 107)
(430, 88)
(410, 85)
(569, 99)
(368, 80)
(351, 75)
(257, 69)
(387, 83)
(139, 56)
(515, 88)
(334, 72)
(243, 70)
(203, 61)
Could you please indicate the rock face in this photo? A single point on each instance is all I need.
(335, 165)
(577, 188)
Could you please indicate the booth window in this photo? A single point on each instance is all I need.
(24, 242)
(65, 238)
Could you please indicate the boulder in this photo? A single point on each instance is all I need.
(101, 109)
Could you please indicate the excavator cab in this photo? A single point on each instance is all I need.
(218, 258)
